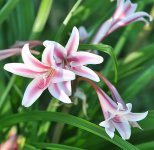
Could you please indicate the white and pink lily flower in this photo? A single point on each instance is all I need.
(117, 114)
(46, 75)
(68, 58)
(123, 15)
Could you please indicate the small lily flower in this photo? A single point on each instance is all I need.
(46, 75)
(123, 15)
(70, 59)
(117, 114)
(83, 34)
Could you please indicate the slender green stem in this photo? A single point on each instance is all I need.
(66, 21)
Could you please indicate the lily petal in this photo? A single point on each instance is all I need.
(21, 70)
(85, 72)
(33, 92)
(47, 56)
(138, 16)
(73, 42)
(57, 91)
(30, 60)
(136, 116)
(110, 131)
(102, 31)
(61, 75)
(66, 85)
(83, 34)
(84, 58)
(123, 128)
(59, 51)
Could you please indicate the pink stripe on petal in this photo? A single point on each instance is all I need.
(107, 104)
(73, 42)
(30, 60)
(21, 70)
(57, 91)
(84, 58)
(33, 92)
(119, 9)
(62, 75)
(59, 52)
(85, 72)
(47, 56)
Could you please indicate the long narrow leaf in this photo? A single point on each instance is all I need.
(69, 119)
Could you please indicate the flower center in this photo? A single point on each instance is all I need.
(66, 64)
(46, 77)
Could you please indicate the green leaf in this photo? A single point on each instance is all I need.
(6, 10)
(64, 118)
(146, 146)
(54, 146)
(136, 86)
(106, 49)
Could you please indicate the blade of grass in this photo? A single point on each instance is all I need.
(52, 146)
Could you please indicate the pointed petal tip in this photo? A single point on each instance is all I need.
(97, 79)
(150, 18)
(47, 42)
(6, 67)
(68, 102)
(75, 28)
(26, 46)
(25, 104)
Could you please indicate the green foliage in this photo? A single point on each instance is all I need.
(129, 64)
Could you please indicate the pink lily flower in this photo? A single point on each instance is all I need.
(70, 59)
(117, 114)
(123, 15)
(46, 75)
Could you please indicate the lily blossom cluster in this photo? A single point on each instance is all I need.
(117, 114)
(57, 69)
(123, 15)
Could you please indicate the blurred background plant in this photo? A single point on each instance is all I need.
(52, 127)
